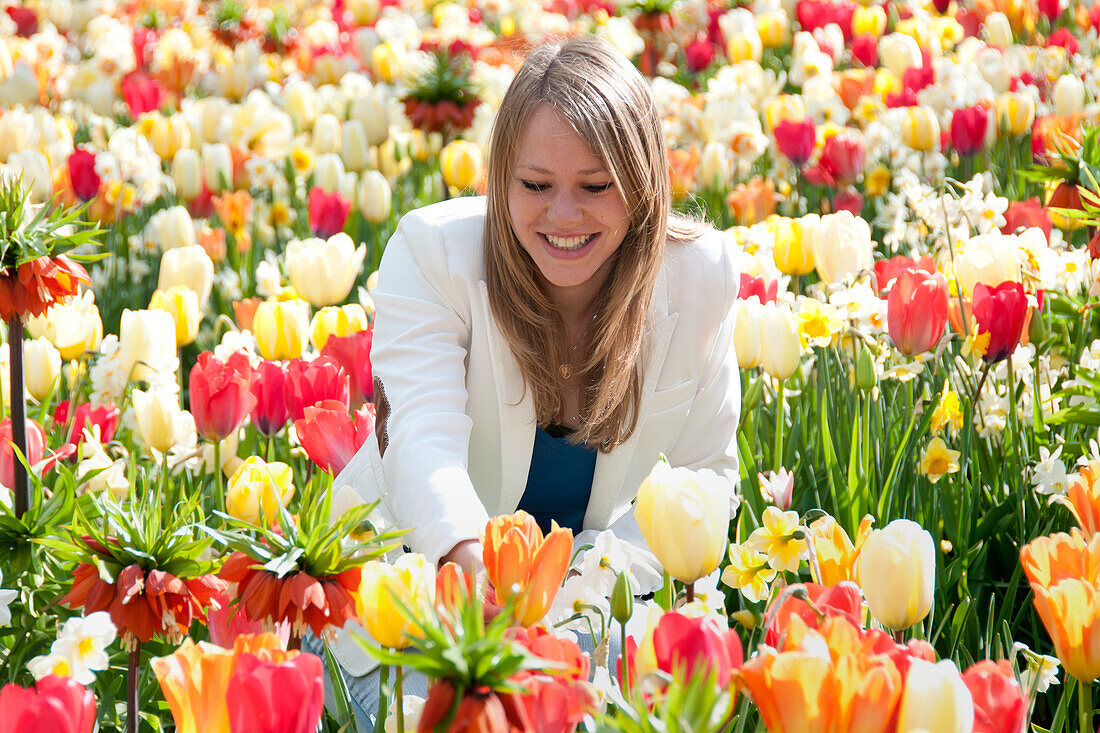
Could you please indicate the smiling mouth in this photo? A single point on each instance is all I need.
(568, 243)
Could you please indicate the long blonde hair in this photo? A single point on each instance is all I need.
(609, 104)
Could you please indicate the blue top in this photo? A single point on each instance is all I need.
(560, 480)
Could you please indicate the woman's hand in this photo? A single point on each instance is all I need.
(467, 555)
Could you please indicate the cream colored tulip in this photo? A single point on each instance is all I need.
(842, 246)
(780, 346)
(935, 699)
(899, 53)
(73, 326)
(328, 172)
(684, 516)
(182, 304)
(301, 102)
(354, 148)
(998, 30)
(991, 259)
(280, 329)
(171, 228)
(327, 135)
(337, 321)
(169, 135)
(921, 129)
(33, 166)
(189, 266)
(217, 166)
(323, 272)
(147, 343)
(41, 368)
(375, 197)
(746, 332)
(160, 421)
(258, 489)
(369, 108)
(1069, 95)
(714, 166)
(897, 571)
(187, 173)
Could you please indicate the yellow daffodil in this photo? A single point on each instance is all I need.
(779, 539)
(947, 412)
(938, 460)
(748, 572)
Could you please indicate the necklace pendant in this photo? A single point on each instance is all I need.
(566, 370)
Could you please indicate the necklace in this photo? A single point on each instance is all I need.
(566, 368)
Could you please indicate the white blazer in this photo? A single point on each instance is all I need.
(461, 427)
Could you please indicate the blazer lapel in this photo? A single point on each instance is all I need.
(611, 468)
(517, 416)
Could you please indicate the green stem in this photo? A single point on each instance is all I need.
(219, 494)
(780, 424)
(1084, 706)
(383, 699)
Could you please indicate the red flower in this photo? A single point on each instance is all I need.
(144, 40)
(916, 310)
(268, 387)
(269, 696)
(1050, 9)
(557, 701)
(310, 382)
(36, 443)
(143, 604)
(848, 199)
(843, 599)
(481, 710)
(696, 643)
(352, 352)
(865, 50)
(1000, 312)
(105, 417)
(38, 284)
(886, 271)
(1064, 38)
(55, 704)
(445, 116)
(795, 140)
(814, 14)
(999, 704)
(1025, 214)
(220, 394)
(841, 161)
(329, 436)
(142, 93)
(327, 212)
(82, 174)
(968, 129)
(759, 287)
(299, 599)
(699, 54)
(25, 19)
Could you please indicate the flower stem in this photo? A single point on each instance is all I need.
(399, 700)
(1084, 706)
(780, 424)
(133, 673)
(690, 592)
(22, 488)
(219, 495)
(899, 636)
(294, 642)
(383, 699)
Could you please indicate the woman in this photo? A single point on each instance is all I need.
(540, 347)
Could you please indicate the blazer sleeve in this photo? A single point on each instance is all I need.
(419, 352)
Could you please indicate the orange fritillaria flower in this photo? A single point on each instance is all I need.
(144, 604)
(36, 285)
(525, 567)
(195, 679)
(298, 598)
(1064, 570)
(1083, 499)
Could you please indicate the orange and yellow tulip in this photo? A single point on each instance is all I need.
(524, 567)
(836, 555)
(1083, 499)
(1064, 570)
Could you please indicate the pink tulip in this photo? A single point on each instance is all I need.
(916, 310)
(266, 696)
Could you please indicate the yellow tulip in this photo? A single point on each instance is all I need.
(337, 321)
(384, 588)
(73, 327)
(258, 487)
(386, 62)
(460, 162)
(793, 249)
(868, 21)
(921, 130)
(1015, 113)
(169, 135)
(280, 328)
(684, 516)
(897, 572)
(182, 304)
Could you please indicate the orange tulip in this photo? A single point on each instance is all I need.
(195, 679)
(836, 555)
(1083, 499)
(1064, 570)
(523, 566)
(793, 690)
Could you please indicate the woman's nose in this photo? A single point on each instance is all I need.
(565, 208)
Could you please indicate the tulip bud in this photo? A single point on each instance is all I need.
(322, 272)
(328, 172)
(1015, 113)
(866, 374)
(897, 572)
(998, 30)
(921, 130)
(217, 166)
(147, 343)
(280, 329)
(753, 395)
(258, 489)
(327, 134)
(1069, 95)
(182, 304)
(189, 266)
(187, 173)
(460, 163)
(161, 422)
(1036, 328)
(337, 321)
(41, 367)
(375, 197)
(898, 53)
(684, 516)
(622, 599)
(355, 150)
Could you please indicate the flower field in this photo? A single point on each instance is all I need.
(194, 200)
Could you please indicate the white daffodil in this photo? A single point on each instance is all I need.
(6, 597)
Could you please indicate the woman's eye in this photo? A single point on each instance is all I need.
(536, 187)
(598, 188)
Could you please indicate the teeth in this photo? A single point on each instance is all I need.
(570, 242)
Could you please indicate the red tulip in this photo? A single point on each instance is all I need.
(269, 387)
(848, 199)
(557, 701)
(699, 54)
(696, 643)
(814, 14)
(105, 417)
(266, 696)
(82, 174)
(327, 212)
(795, 140)
(886, 271)
(142, 93)
(999, 704)
(25, 19)
(353, 354)
(330, 437)
(1000, 312)
(55, 704)
(916, 310)
(220, 396)
(865, 50)
(968, 129)
(1050, 9)
(843, 599)
(310, 382)
(1025, 214)
(1063, 38)
(764, 291)
(841, 161)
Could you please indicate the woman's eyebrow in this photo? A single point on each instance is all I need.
(537, 169)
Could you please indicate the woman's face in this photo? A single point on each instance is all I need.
(567, 213)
